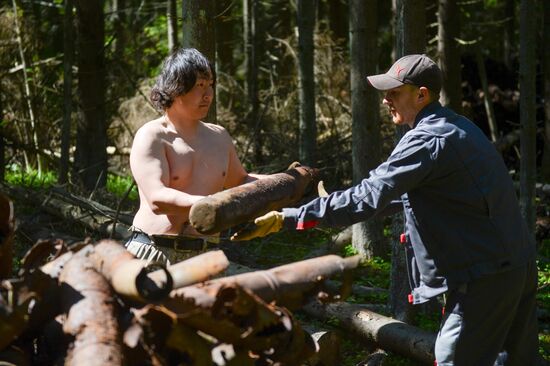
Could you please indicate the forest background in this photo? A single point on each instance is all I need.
(75, 77)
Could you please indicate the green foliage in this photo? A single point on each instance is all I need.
(349, 251)
(543, 294)
(544, 346)
(375, 272)
(430, 322)
(17, 176)
(120, 185)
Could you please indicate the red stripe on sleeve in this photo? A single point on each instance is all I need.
(306, 225)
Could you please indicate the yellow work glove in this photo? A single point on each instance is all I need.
(269, 223)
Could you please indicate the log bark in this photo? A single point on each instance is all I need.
(292, 284)
(390, 334)
(88, 301)
(241, 204)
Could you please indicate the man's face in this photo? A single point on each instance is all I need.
(402, 104)
(196, 102)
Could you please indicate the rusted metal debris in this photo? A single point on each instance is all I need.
(241, 204)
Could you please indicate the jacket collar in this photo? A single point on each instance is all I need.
(426, 111)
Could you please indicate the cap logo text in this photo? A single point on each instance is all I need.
(398, 69)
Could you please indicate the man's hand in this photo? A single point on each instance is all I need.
(269, 223)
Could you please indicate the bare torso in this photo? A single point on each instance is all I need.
(175, 168)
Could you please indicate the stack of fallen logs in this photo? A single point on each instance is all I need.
(98, 305)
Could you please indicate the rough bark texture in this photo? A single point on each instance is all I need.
(91, 313)
(241, 204)
(308, 129)
(368, 238)
(68, 60)
(527, 73)
(389, 334)
(91, 136)
(449, 54)
(545, 171)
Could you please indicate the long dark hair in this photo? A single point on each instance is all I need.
(178, 75)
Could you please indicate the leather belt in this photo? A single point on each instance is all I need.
(172, 241)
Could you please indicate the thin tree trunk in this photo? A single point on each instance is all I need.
(509, 37)
(172, 24)
(2, 145)
(527, 73)
(91, 137)
(28, 96)
(546, 75)
(250, 14)
(368, 238)
(410, 39)
(308, 128)
(199, 32)
(491, 119)
(68, 57)
(449, 54)
(119, 26)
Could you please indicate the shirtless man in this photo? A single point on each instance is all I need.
(178, 159)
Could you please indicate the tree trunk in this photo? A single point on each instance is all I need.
(250, 25)
(411, 27)
(120, 28)
(68, 58)
(91, 137)
(410, 38)
(527, 73)
(2, 145)
(308, 129)
(368, 238)
(199, 32)
(172, 24)
(546, 93)
(509, 38)
(449, 54)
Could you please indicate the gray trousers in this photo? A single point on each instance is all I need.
(491, 314)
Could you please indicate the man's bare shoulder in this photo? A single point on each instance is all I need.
(216, 131)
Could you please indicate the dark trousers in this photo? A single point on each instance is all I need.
(491, 314)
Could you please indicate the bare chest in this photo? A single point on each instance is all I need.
(197, 168)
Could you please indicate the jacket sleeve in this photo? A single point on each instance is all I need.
(409, 166)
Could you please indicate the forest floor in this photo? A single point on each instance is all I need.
(286, 247)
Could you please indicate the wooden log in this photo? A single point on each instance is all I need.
(390, 334)
(88, 301)
(242, 204)
(291, 284)
(129, 276)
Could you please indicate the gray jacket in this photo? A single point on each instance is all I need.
(462, 215)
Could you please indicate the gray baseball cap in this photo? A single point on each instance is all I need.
(417, 70)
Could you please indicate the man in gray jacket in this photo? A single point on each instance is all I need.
(464, 234)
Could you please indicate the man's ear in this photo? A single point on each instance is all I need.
(423, 94)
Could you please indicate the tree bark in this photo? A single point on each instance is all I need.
(172, 24)
(527, 73)
(308, 128)
(199, 32)
(410, 38)
(368, 237)
(546, 93)
(68, 58)
(390, 334)
(449, 54)
(91, 308)
(91, 137)
(241, 204)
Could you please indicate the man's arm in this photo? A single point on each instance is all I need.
(151, 173)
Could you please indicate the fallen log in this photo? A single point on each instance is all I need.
(88, 301)
(130, 277)
(242, 204)
(389, 334)
(291, 284)
(234, 315)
